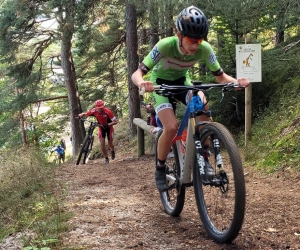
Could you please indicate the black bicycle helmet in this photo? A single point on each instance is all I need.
(192, 22)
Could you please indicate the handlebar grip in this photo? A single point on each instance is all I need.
(142, 91)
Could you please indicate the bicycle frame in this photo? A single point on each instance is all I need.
(189, 120)
(191, 117)
(91, 127)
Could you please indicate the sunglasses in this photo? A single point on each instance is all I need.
(192, 40)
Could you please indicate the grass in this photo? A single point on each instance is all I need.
(275, 141)
(30, 198)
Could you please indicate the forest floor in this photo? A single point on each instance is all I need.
(116, 206)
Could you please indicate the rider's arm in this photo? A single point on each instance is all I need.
(112, 118)
(224, 78)
(114, 122)
(153, 57)
(83, 115)
(213, 64)
(138, 80)
(137, 77)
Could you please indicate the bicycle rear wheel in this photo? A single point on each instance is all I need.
(220, 201)
(173, 199)
(85, 150)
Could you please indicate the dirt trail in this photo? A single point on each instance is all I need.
(116, 206)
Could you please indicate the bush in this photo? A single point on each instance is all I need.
(28, 201)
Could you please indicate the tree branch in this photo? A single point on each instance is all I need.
(50, 99)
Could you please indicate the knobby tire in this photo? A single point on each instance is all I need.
(88, 150)
(222, 213)
(85, 150)
(173, 199)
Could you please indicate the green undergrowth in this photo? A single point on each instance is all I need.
(275, 139)
(30, 199)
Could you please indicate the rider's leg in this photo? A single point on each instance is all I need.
(170, 125)
(103, 148)
(111, 144)
(169, 122)
(101, 137)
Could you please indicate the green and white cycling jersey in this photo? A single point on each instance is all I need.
(170, 64)
(171, 67)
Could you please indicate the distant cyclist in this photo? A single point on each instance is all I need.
(106, 118)
(170, 59)
(151, 119)
(60, 152)
(63, 143)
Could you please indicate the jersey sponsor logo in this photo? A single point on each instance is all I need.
(182, 65)
(171, 63)
(155, 55)
(212, 58)
(184, 60)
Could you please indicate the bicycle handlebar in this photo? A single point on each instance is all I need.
(87, 120)
(197, 86)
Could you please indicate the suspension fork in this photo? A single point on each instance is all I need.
(218, 157)
(198, 147)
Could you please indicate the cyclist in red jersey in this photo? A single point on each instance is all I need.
(106, 119)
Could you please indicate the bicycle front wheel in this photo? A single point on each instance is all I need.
(88, 150)
(220, 200)
(173, 198)
(85, 150)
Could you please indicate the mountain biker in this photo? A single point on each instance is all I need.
(60, 152)
(106, 119)
(170, 60)
(151, 119)
(63, 143)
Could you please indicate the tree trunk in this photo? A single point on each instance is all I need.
(22, 124)
(132, 62)
(280, 23)
(169, 19)
(279, 36)
(77, 129)
(143, 51)
(23, 129)
(153, 10)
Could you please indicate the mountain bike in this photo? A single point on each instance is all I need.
(221, 198)
(87, 145)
